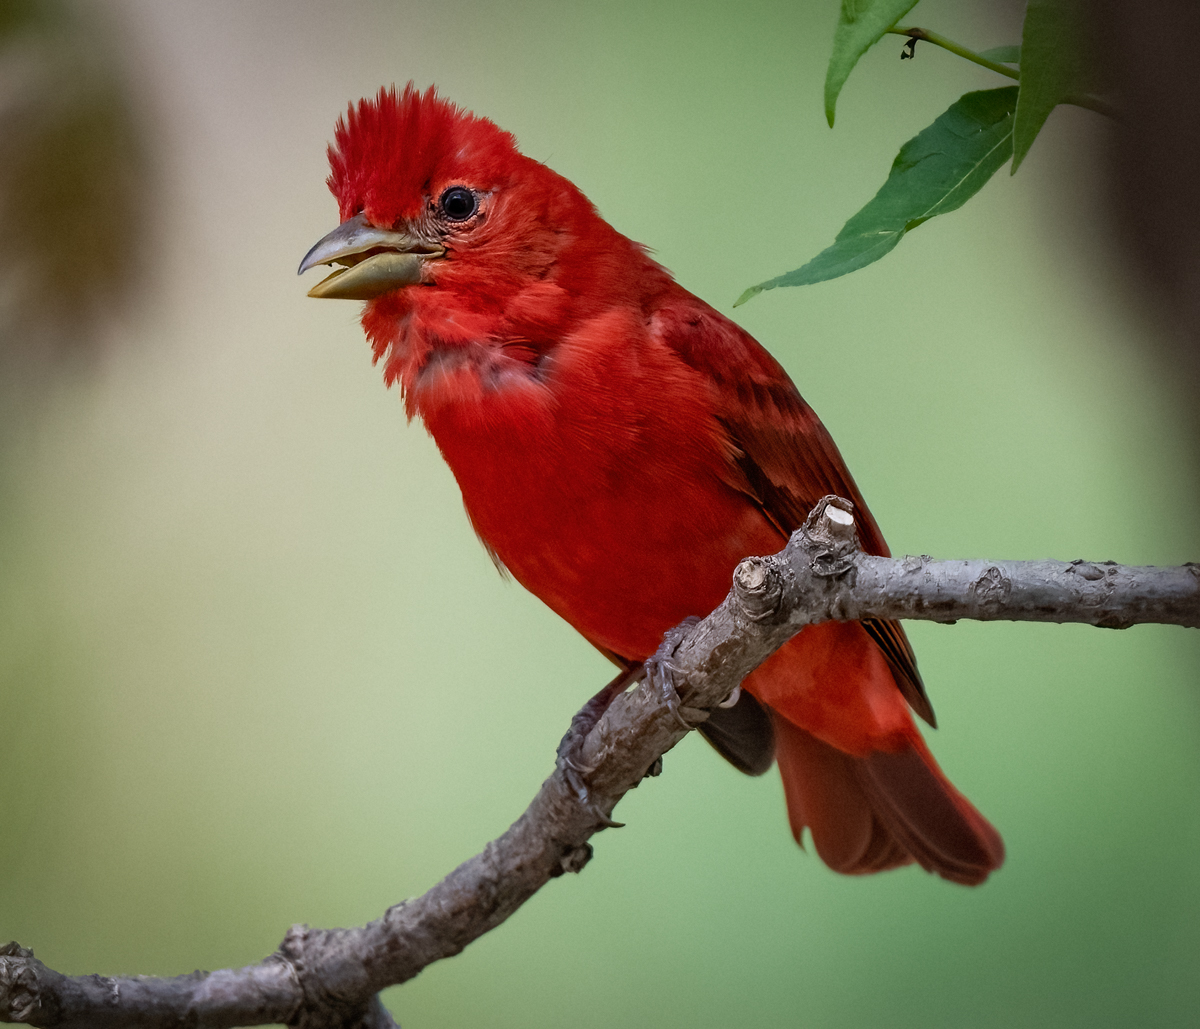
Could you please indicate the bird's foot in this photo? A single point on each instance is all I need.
(660, 673)
(570, 748)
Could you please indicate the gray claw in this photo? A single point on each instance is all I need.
(661, 673)
(574, 773)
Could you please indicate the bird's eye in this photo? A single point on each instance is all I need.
(458, 203)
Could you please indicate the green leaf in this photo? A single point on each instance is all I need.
(1051, 68)
(1003, 54)
(936, 171)
(861, 25)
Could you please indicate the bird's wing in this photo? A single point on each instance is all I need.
(781, 456)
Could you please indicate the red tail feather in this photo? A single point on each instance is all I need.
(883, 810)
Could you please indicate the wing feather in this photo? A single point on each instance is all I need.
(781, 456)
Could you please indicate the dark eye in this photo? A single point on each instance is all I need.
(458, 203)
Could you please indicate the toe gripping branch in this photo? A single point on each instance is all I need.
(570, 748)
(828, 532)
(660, 672)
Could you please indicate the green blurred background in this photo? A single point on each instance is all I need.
(255, 668)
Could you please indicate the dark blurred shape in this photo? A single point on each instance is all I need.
(73, 181)
(1146, 54)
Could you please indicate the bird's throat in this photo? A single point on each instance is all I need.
(474, 374)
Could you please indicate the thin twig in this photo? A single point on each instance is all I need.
(955, 48)
(1087, 100)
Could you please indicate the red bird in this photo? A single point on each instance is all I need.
(620, 447)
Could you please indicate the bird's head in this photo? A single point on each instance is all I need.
(429, 193)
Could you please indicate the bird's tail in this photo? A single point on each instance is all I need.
(855, 769)
(883, 810)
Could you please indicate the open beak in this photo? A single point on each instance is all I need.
(375, 260)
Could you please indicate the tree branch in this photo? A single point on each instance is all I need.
(326, 978)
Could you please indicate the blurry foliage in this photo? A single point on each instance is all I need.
(941, 168)
(937, 171)
(1152, 164)
(73, 181)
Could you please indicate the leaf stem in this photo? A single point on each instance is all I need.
(1088, 100)
(955, 48)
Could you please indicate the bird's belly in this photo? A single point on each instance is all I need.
(623, 533)
(600, 479)
(625, 568)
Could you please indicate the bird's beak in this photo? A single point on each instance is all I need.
(376, 260)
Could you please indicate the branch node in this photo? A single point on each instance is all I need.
(311, 955)
(292, 947)
(573, 859)
(829, 538)
(992, 587)
(19, 989)
(759, 587)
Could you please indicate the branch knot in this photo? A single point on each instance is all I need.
(1086, 570)
(992, 587)
(19, 993)
(572, 859)
(759, 586)
(331, 980)
(828, 537)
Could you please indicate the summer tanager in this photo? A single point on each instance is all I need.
(620, 447)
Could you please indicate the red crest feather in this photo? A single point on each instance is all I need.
(390, 153)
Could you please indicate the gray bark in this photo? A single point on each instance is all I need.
(325, 978)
